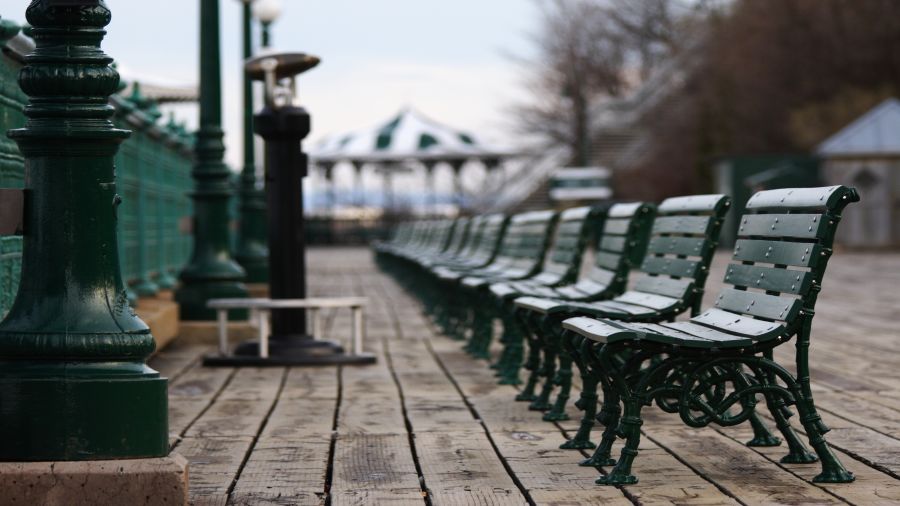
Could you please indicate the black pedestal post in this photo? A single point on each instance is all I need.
(283, 129)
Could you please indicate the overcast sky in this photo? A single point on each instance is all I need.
(448, 58)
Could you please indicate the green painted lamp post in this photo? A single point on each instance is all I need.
(73, 383)
(211, 273)
(252, 250)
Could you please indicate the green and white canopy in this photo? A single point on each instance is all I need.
(408, 137)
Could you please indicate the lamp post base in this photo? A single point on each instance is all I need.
(83, 412)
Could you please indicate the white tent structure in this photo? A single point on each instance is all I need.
(406, 142)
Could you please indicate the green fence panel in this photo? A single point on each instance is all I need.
(153, 177)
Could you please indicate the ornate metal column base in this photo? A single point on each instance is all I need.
(73, 383)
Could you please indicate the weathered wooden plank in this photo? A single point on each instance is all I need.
(300, 419)
(744, 474)
(462, 468)
(311, 383)
(176, 358)
(871, 486)
(190, 394)
(285, 472)
(241, 408)
(550, 474)
(214, 463)
(366, 463)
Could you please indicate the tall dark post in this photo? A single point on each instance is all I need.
(252, 250)
(283, 130)
(73, 383)
(211, 273)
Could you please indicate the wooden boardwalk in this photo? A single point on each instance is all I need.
(429, 425)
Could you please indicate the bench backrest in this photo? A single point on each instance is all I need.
(683, 240)
(624, 231)
(570, 237)
(428, 230)
(402, 234)
(525, 242)
(483, 245)
(459, 235)
(442, 231)
(784, 242)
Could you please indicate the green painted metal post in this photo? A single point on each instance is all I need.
(73, 383)
(211, 272)
(253, 249)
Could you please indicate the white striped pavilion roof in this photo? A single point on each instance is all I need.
(408, 136)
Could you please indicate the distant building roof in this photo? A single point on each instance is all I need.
(876, 133)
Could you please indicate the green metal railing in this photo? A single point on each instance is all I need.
(152, 172)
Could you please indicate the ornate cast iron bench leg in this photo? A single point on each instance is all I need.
(577, 347)
(515, 349)
(629, 426)
(533, 363)
(547, 370)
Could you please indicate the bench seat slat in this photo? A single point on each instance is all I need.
(708, 337)
(693, 204)
(798, 226)
(682, 246)
(671, 266)
(737, 324)
(649, 300)
(797, 198)
(536, 291)
(597, 279)
(617, 226)
(758, 304)
(662, 285)
(796, 254)
(538, 304)
(607, 260)
(613, 243)
(580, 291)
(769, 278)
(682, 225)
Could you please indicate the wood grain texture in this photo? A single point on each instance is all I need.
(428, 424)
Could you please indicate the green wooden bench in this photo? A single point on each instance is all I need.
(683, 238)
(624, 231)
(561, 267)
(712, 368)
(480, 250)
(521, 256)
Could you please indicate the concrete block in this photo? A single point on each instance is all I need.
(162, 481)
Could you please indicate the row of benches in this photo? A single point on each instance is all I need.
(526, 271)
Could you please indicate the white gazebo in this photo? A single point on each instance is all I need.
(866, 155)
(409, 141)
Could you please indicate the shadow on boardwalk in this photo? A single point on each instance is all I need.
(429, 425)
